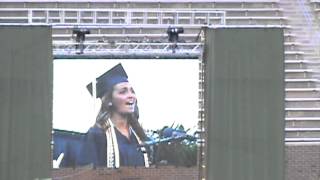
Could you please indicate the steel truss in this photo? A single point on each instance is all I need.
(96, 50)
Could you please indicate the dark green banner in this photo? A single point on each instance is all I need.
(244, 98)
(25, 102)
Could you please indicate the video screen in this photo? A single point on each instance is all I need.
(145, 117)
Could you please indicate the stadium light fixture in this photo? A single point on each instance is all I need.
(80, 38)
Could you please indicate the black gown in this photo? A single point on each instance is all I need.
(94, 149)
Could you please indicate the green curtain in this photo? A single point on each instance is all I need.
(244, 101)
(25, 102)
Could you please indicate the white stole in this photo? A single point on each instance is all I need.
(113, 155)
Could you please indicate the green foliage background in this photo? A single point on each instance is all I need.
(180, 153)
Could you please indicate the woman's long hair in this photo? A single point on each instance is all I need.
(105, 113)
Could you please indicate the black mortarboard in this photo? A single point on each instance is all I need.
(106, 81)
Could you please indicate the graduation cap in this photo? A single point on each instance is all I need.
(106, 81)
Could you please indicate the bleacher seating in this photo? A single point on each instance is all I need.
(238, 12)
(302, 92)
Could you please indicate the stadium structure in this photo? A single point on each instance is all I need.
(134, 29)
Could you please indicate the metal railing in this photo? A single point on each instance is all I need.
(62, 16)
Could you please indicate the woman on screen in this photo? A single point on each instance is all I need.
(115, 138)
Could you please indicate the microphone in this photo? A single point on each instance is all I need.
(169, 135)
(169, 132)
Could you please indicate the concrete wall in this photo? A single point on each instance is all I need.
(302, 161)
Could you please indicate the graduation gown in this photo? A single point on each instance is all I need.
(94, 149)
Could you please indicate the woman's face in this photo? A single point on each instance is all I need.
(123, 98)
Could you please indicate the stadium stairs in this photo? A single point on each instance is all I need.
(302, 82)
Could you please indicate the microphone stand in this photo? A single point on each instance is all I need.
(167, 139)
